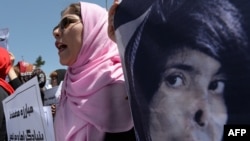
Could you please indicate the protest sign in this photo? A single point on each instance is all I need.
(49, 122)
(51, 96)
(4, 35)
(25, 116)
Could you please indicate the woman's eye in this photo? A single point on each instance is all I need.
(217, 86)
(174, 80)
(65, 22)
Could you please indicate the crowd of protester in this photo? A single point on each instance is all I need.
(124, 93)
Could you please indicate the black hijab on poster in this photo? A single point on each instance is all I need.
(175, 23)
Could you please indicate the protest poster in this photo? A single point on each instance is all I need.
(4, 36)
(49, 122)
(175, 93)
(25, 115)
(51, 96)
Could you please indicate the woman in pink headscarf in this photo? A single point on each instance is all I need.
(93, 100)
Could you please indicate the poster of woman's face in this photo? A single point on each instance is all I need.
(198, 90)
(187, 66)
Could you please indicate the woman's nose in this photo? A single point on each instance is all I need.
(201, 108)
(199, 117)
(56, 32)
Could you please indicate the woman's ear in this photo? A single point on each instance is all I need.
(111, 29)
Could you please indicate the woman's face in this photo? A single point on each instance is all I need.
(68, 35)
(53, 81)
(189, 104)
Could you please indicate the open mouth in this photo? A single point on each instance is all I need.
(61, 47)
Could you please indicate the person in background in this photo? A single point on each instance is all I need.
(57, 76)
(25, 71)
(6, 89)
(93, 101)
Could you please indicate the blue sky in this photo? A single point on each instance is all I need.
(30, 23)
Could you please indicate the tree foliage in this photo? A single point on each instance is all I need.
(39, 62)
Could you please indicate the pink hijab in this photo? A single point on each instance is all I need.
(87, 107)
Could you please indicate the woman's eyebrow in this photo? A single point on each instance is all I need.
(182, 66)
(220, 71)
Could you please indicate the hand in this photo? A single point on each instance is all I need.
(53, 109)
(12, 58)
(12, 74)
(111, 29)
